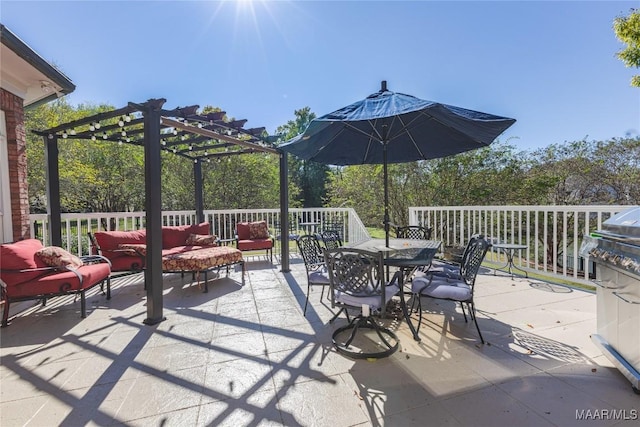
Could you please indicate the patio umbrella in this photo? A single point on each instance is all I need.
(389, 127)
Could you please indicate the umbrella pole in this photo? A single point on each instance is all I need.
(386, 192)
(385, 178)
(386, 195)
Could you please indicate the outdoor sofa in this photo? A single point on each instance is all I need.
(188, 248)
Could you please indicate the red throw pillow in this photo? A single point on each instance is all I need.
(133, 249)
(55, 256)
(258, 230)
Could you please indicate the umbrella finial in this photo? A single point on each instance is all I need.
(383, 87)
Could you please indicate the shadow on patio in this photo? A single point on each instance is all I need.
(245, 355)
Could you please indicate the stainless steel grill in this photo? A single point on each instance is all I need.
(616, 251)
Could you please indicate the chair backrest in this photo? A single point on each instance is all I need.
(414, 232)
(474, 255)
(356, 272)
(309, 248)
(331, 239)
(334, 225)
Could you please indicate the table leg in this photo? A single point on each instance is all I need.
(405, 310)
(510, 265)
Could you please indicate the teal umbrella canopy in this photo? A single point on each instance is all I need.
(389, 127)
(410, 128)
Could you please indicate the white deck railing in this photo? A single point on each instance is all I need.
(75, 226)
(552, 234)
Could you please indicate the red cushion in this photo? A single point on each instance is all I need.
(243, 230)
(177, 235)
(127, 263)
(248, 245)
(110, 240)
(20, 256)
(61, 281)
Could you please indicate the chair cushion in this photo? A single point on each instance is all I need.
(372, 301)
(248, 245)
(442, 270)
(111, 240)
(20, 255)
(320, 276)
(60, 282)
(173, 236)
(55, 256)
(127, 263)
(441, 287)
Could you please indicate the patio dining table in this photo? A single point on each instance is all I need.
(406, 255)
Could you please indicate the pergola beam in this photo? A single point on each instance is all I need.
(214, 135)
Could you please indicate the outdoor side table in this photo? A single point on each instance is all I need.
(509, 250)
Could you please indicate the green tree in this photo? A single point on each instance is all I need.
(309, 177)
(94, 175)
(627, 29)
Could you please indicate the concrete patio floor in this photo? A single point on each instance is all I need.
(245, 356)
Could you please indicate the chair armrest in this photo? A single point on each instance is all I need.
(90, 259)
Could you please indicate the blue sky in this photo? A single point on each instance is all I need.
(549, 64)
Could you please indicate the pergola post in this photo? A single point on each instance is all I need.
(284, 212)
(153, 206)
(197, 177)
(53, 190)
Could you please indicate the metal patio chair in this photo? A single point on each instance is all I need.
(314, 263)
(453, 289)
(331, 239)
(358, 283)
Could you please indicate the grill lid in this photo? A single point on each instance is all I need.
(618, 243)
(625, 224)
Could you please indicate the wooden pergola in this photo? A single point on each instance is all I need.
(181, 131)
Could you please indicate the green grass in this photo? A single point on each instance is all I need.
(376, 233)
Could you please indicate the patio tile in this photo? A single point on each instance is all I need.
(293, 337)
(282, 318)
(276, 304)
(181, 417)
(238, 323)
(248, 345)
(601, 382)
(490, 406)
(331, 403)
(318, 362)
(151, 395)
(172, 357)
(387, 387)
(431, 414)
(259, 409)
(554, 399)
(245, 355)
(237, 379)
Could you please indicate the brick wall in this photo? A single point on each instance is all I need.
(12, 106)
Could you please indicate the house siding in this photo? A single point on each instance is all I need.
(12, 106)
